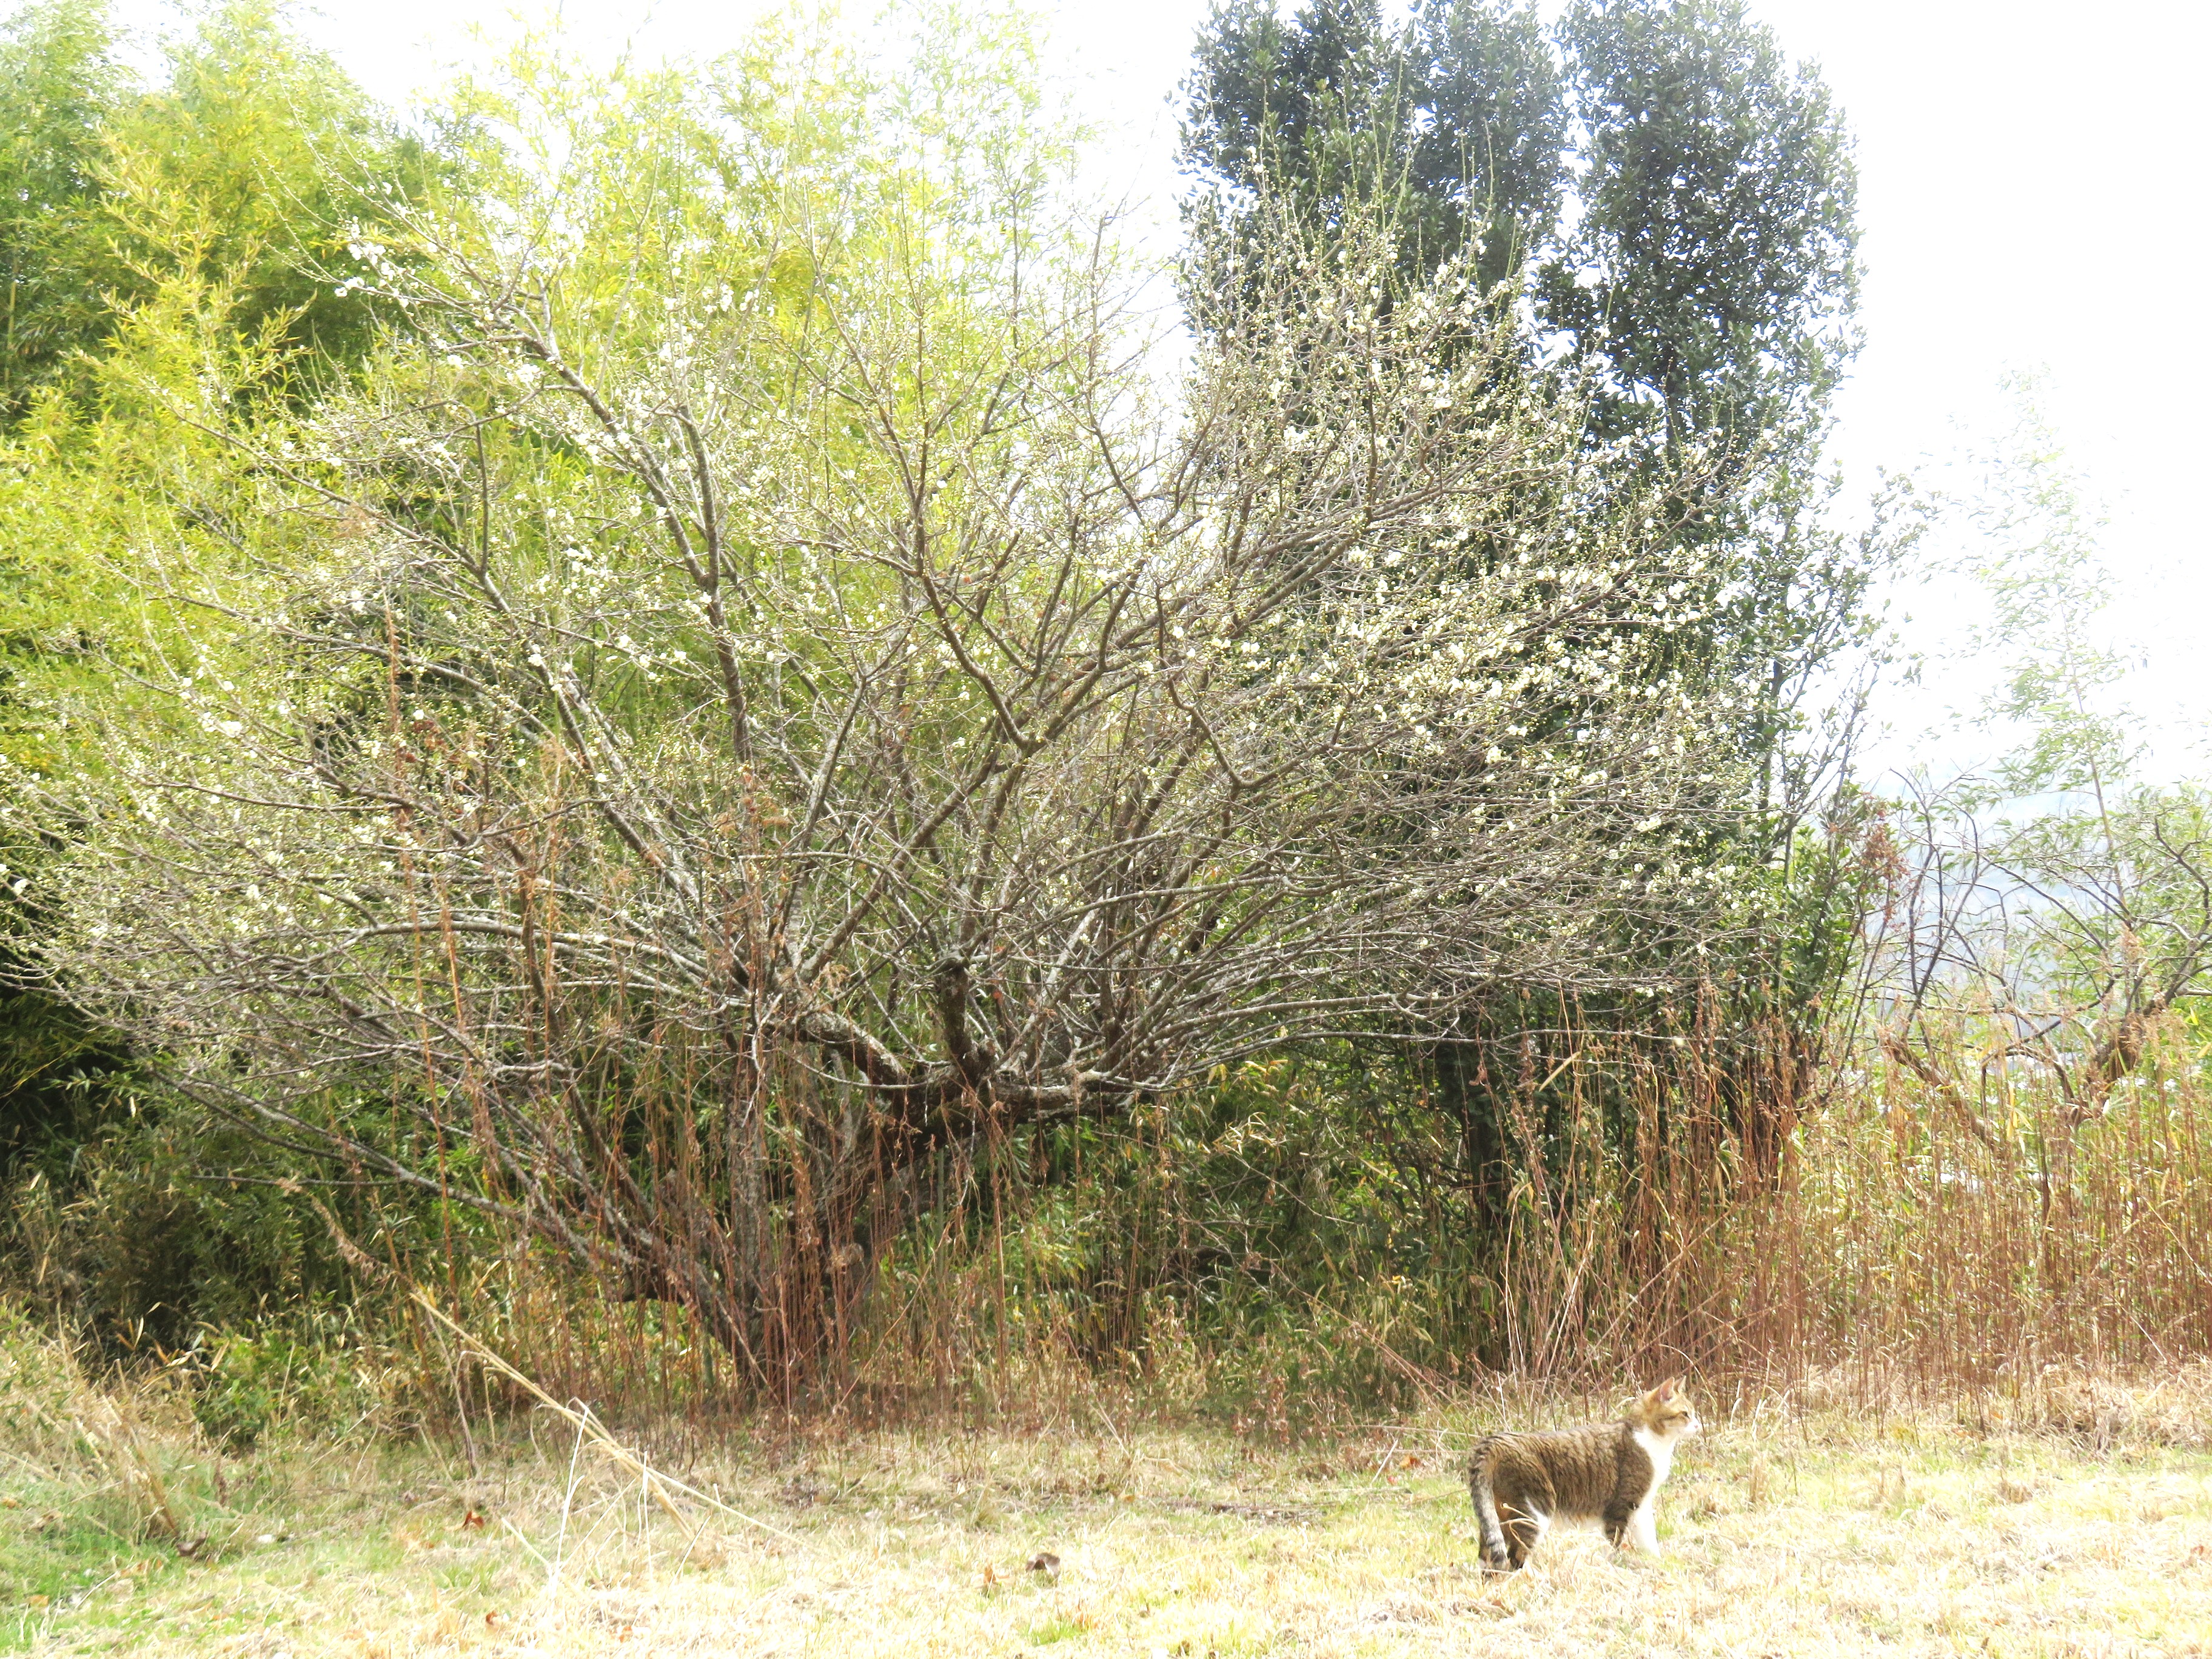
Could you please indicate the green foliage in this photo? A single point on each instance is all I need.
(260, 160)
(180, 247)
(66, 1075)
(1706, 276)
(60, 83)
(1294, 1233)
(1454, 123)
(1698, 300)
(1711, 276)
(151, 1220)
(306, 1371)
(252, 164)
(244, 399)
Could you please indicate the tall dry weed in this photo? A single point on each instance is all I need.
(116, 1443)
(1279, 1254)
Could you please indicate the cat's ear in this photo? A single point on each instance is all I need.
(1665, 1391)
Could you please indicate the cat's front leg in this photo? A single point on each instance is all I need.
(1643, 1532)
(1632, 1527)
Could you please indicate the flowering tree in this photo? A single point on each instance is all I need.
(762, 687)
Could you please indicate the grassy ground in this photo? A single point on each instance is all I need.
(1824, 1533)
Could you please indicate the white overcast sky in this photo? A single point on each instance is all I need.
(2033, 195)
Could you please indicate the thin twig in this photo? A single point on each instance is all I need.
(591, 1430)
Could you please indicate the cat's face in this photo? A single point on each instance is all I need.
(1667, 1411)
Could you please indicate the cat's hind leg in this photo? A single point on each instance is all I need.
(1522, 1526)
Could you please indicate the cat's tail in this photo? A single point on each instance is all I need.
(1494, 1554)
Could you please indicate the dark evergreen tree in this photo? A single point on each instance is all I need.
(1712, 277)
(1700, 288)
(1706, 274)
(1671, 202)
(1455, 121)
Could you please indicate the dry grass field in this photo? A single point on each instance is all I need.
(1818, 1532)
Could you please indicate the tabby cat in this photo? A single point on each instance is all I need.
(1609, 1473)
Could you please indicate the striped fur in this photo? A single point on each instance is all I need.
(1608, 1472)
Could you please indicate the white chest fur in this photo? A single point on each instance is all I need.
(1643, 1532)
(1660, 1448)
